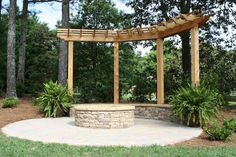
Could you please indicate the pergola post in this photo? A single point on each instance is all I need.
(116, 72)
(160, 72)
(195, 56)
(70, 67)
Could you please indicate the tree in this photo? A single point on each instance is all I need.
(3, 50)
(22, 45)
(0, 20)
(218, 67)
(63, 47)
(94, 61)
(11, 69)
(42, 56)
(62, 67)
(145, 73)
(40, 51)
(62, 71)
(153, 12)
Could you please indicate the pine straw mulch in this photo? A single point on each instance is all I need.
(203, 141)
(24, 110)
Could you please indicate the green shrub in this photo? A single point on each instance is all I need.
(10, 102)
(215, 132)
(195, 106)
(231, 124)
(54, 101)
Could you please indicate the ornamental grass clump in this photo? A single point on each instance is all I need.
(196, 105)
(54, 101)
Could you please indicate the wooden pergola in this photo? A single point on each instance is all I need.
(173, 26)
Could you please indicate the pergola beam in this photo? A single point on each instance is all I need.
(70, 67)
(116, 73)
(183, 27)
(160, 71)
(195, 56)
(137, 37)
(89, 39)
(165, 29)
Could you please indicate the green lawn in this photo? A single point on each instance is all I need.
(232, 99)
(232, 103)
(12, 147)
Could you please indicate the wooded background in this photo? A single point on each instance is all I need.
(30, 53)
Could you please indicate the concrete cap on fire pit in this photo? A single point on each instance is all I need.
(102, 107)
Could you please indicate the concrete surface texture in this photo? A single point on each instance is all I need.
(62, 130)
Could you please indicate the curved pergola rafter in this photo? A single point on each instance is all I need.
(173, 26)
(164, 29)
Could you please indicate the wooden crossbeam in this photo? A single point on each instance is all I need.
(178, 21)
(68, 32)
(165, 29)
(118, 33)
(168, 25)
(189, 17)
(93, 33)
(80, 32)
(139, 31)
(129, 32)
(106, 34)
(161, 28)
(180, 28)
(151, 30)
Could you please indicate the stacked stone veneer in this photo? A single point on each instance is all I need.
(160, 112)
(145, 111)
(103, 117)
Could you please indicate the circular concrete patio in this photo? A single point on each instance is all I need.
(62, 130)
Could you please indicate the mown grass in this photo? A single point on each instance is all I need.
(232, 99)
(13, 147)
(232, 103)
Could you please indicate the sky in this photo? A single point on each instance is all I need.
(50, 13)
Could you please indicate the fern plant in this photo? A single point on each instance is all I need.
(54, 101)
(194, 106)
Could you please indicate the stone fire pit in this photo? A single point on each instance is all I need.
(104, 116)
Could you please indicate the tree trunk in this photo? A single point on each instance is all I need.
(62, 72)
(0, 8)
(23, 31)
(0, 20)
(185, 37)
(11, 69)
(186, 57)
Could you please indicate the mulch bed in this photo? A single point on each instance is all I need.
(202, 140)
(26, 110)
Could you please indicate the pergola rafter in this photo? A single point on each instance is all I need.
(163, 30)
(173, 26)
